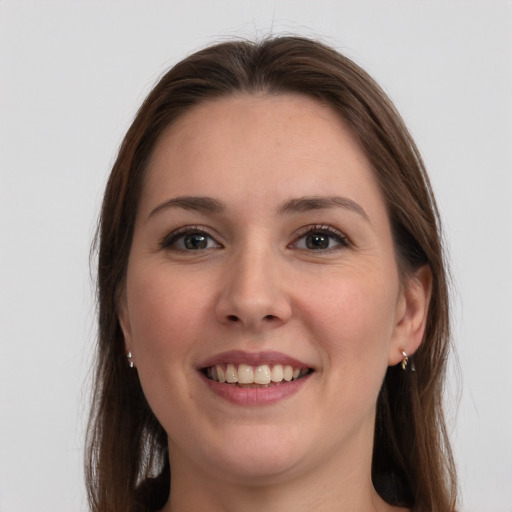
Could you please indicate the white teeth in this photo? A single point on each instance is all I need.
(262, 374)
(277, 373)
(220, 373)
(247, 374)
(231, 374)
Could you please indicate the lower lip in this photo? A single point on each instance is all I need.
(256, 396)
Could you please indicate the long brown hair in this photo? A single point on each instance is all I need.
(127, 461)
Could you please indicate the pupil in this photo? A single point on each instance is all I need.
(195, 241)
(317, 241)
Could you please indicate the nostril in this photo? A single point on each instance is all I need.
(269, 317)
(232, 318)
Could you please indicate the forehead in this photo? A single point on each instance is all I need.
(247, 146)
(266, 122)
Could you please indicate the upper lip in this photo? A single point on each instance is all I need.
(253, 359)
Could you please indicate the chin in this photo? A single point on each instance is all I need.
(256, 456)
(259, 471)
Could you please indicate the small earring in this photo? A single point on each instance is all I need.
(405, 360)
(130, 362)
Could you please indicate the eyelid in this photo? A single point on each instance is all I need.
(326, 229)
(170, 238)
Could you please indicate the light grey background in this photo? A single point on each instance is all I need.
(71, 77)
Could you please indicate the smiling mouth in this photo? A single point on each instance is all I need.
(248, 376)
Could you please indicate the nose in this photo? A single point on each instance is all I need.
(253, 292)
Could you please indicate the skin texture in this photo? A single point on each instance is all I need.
(258, 286)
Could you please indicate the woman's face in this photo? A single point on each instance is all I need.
(262, 252)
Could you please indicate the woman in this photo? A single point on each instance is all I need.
(273, 321)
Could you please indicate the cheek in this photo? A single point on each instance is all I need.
(166, 314)
(353, 319)
(167, 325)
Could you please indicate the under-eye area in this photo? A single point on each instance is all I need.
(246, 375)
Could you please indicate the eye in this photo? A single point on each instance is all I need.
(189, 239)
(320, 238)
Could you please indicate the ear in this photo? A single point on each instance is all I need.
(411, 314)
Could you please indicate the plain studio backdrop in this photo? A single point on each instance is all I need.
(72, 75)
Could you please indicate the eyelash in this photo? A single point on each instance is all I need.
(322, 229)
(317, 229)
(170, 239)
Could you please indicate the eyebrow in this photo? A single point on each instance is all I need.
(201, 204)
(308, 203)
(296, 205)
